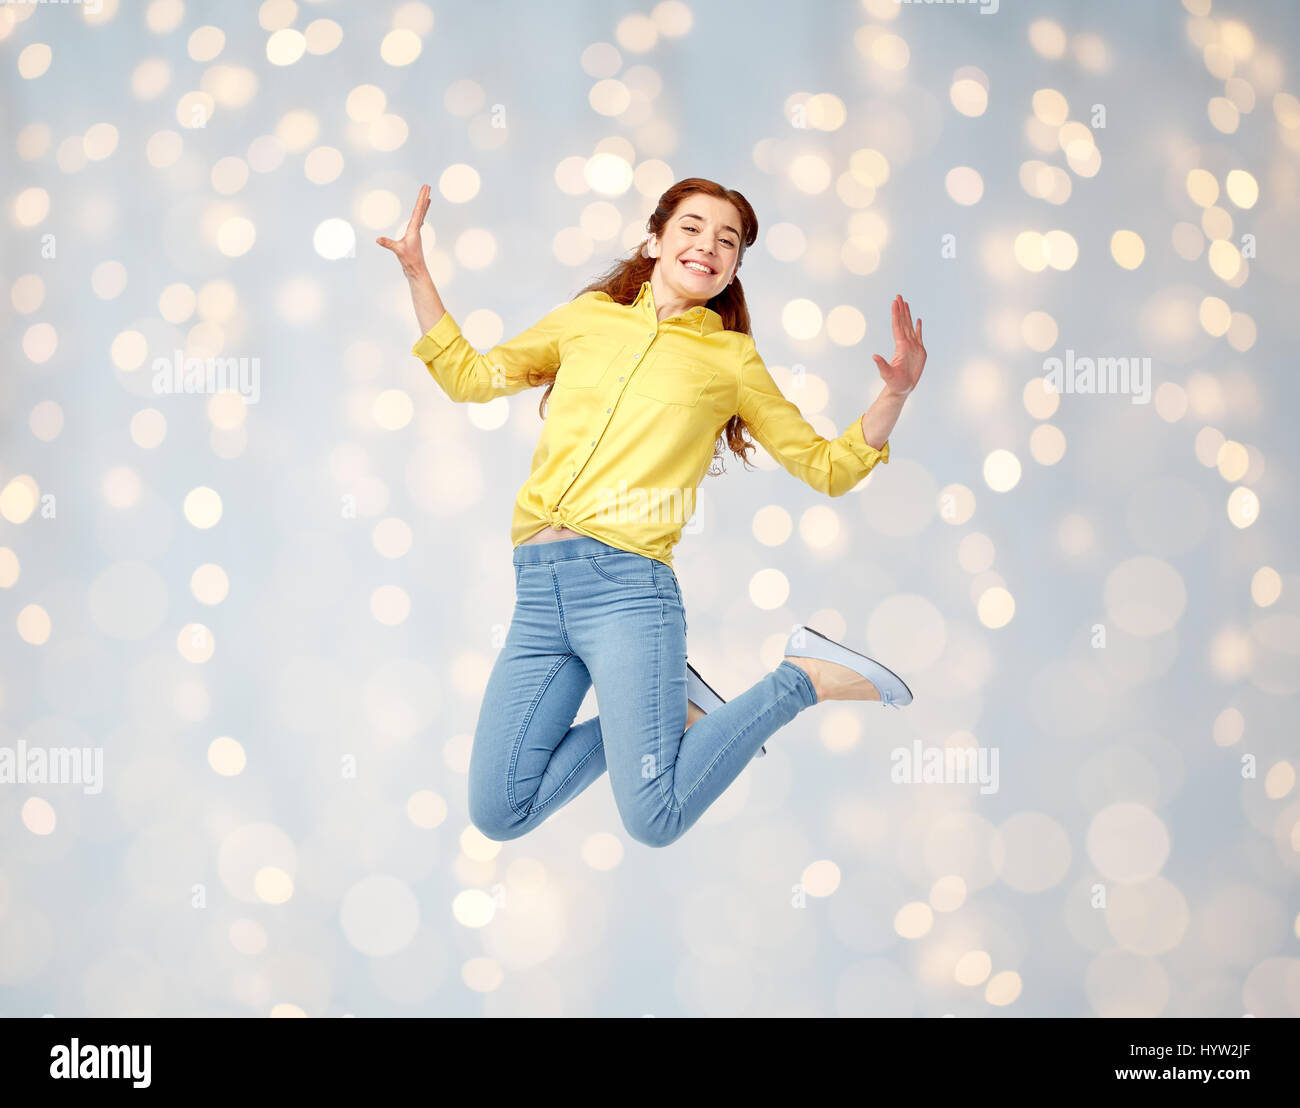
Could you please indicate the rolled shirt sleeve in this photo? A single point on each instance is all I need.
(831, 466)
(466, 375)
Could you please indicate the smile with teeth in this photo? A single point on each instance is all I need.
(697, 267)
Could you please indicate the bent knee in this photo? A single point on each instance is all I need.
(658, 831)
(497, 822)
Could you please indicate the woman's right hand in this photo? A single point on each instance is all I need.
(408, 249)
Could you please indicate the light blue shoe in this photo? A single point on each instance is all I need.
(804, 642)
(704, 698)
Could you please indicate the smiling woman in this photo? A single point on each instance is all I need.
(696, 228)
(649, 371)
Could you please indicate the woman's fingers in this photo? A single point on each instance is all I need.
(904, 329)
(417, 213)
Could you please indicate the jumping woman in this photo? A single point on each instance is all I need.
(653, 369)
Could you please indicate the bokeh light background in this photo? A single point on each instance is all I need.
(276, 619)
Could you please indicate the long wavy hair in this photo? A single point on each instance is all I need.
(623, 280)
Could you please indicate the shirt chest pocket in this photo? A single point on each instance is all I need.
(585, 363)
(669, 379)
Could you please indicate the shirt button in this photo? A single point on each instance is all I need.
(608, 410)
(593, 442)
(620, 378)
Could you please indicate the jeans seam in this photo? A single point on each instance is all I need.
(739, 735)
(559, 609)
(596, 749)
(682, 603)
(666, 789)
(542, 686)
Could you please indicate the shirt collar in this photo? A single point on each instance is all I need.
(705, 320)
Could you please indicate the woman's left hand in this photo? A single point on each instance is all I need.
(904, 371)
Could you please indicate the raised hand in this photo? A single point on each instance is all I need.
(408, 249)
(903, 372)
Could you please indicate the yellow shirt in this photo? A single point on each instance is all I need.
(636, 409)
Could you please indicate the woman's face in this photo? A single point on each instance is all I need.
(700, 247)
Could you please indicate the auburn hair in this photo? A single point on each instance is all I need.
(623, 280)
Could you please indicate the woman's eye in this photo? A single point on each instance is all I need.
(726, 242)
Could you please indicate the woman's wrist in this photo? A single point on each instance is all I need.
(878, 421)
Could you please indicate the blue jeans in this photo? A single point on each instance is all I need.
(588, 613)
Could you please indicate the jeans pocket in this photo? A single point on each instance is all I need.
(624, 568)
